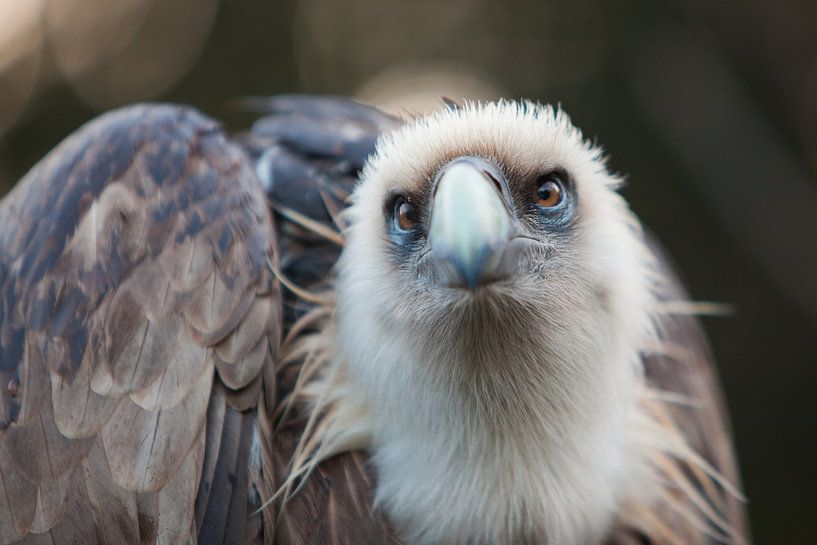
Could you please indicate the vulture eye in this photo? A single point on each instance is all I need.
(550, 192)
(405, 215)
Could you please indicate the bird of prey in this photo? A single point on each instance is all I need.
(341, 327)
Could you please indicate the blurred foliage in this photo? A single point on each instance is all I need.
(710, 107)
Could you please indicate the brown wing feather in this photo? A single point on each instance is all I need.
(333, 505)
(133, 277)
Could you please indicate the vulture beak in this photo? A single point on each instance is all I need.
(470, 222)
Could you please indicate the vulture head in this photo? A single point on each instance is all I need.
(493, 293)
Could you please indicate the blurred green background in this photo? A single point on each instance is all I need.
(709, 107)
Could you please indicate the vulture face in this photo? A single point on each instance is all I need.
(495, 286)
(487, 214)
(472, 224)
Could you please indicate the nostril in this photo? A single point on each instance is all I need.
(497, 183)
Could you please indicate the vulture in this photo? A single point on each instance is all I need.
(341, 327)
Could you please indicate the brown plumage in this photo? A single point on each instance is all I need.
(135, 293)
(157, 377)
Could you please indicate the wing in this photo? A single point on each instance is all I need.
(137, 318)
(309, 153)
(701, 503)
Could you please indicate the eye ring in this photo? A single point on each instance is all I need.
(550, 193)
(405, 214)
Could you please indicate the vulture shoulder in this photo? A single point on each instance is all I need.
(137, 317)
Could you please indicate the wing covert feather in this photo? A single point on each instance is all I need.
(133, 269)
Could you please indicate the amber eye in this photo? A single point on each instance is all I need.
(549, 194)
(405, 214)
